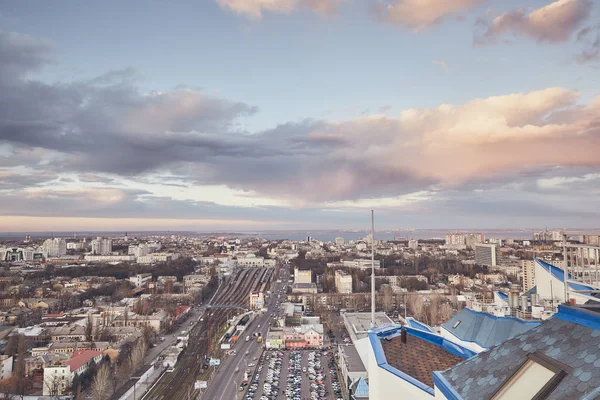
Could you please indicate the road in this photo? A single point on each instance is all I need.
(226, 382)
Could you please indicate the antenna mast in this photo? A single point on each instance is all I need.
(372, 269)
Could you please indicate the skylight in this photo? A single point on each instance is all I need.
(457, 323)
(535, 379)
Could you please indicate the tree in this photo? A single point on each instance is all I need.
(416, 305)
(138, 353)
(89, 328)
(101, 383)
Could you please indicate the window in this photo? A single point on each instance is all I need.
(456, 324)
(535, 379)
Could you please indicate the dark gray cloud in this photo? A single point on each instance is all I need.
(589, 39)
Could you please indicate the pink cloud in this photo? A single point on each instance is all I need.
(256, 8)
(417, 15)
(553, 23)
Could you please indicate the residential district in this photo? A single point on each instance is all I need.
(236, 317)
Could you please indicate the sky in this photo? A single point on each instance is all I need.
(299, 114)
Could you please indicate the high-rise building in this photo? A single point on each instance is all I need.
(527, 274)
(413, 244)
(139, 250)
(55, 247)
(485, 254)
(101, 246)
(464, 239)
(343, 282)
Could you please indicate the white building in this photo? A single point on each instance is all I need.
(157, 257)
(75, 246)
(140, 280)
(139, 250)
(360, 263)
(6, 367)
(485, 254)
(55, 247)
(101, 246)
(109, 258)
(413, 244)
(343, 282)
(339, 241)
(251, 260)
(58, 378)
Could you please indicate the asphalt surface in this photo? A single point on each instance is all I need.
(225, 383)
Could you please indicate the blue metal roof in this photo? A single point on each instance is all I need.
(362, 388)
(559, 274)
(485, 329)
(413, 323)
(502, 296)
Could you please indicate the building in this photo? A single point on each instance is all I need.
(351, 366)
(547, 236)
(360, 263)
(559, 359)
(404, 360)
(339, 241)
(343, 282)
(58, 378)
(101, 246)
(54, 247)
(485, 254)
(138, 250)
(140, 280)
(478, 331)
(358, 324)
(469, 240)
(251, 260)
(302, 276)
(117, 258)
(75, 246)
(257, 300)
(413, 244)
(527, 274)
(156, 257)
(304, 288)
(6, 367)
(549, 285)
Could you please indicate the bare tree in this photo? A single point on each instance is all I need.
(138, 353)
(101, 383)
(416, 305)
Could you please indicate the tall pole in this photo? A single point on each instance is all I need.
(372, 269)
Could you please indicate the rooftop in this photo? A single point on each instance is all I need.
(571, 338)
(417, 357)
(353, 361)
(80, 358)
(358, 324)
(485, 329)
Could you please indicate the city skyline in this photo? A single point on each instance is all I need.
(299, 114)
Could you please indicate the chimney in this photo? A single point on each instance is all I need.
(403, 335)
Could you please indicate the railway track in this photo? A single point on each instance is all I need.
(234, 291)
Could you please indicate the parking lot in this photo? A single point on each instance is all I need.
(294, 375)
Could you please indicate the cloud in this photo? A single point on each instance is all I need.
(441, 64)
(589, 38)
(255, 8)
(115, 146)
(418, 15)
(22, 54)
(553, 23)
